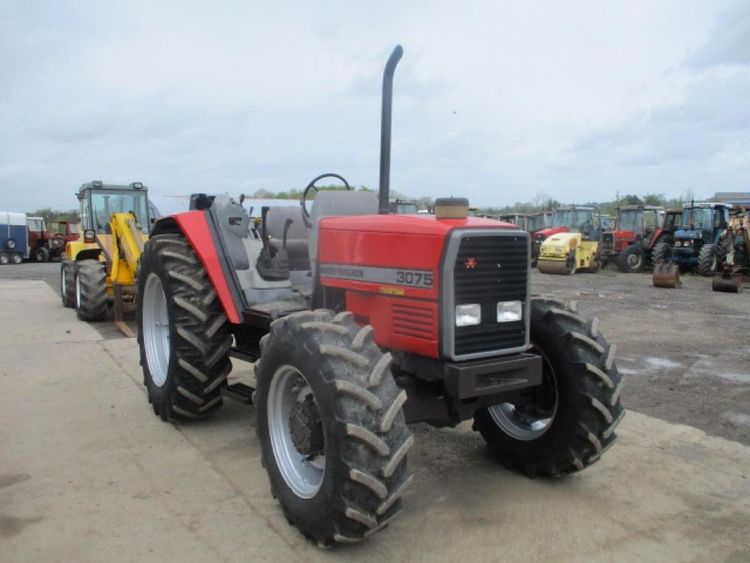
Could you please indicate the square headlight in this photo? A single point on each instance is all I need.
(509, 311)
(468, 315)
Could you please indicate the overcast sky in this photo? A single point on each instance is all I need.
(495, 101)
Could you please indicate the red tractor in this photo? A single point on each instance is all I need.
(359, 322)
(43, 244)
(638, 228)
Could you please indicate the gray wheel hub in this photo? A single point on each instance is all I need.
(526, 424)
(296, 434)
(156, 330)
(306, 428)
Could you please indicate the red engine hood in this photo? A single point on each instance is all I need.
(548, 232)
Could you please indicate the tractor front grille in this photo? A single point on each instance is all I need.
(608, 244)
(490, 267)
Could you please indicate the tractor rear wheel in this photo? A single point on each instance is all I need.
(708, 261)
(631, 260)
(331, 427)
(68, 283)
(568, 422)
(91, 290)
(183, 333)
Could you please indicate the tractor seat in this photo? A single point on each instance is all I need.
(296, 238)
(332, 203)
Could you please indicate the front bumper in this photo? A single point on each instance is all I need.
(467, 380)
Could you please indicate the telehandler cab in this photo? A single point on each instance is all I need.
(359, 322)
(99, 269)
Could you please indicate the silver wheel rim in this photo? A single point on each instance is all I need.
(634, 261)
(17, 259)
(78, 291)
(156, 330)
(521, 426)
(4, 259)
(303, 476)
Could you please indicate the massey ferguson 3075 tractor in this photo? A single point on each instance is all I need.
(359, 322)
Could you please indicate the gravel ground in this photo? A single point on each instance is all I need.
(685, 352)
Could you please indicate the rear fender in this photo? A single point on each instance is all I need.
(200, 233)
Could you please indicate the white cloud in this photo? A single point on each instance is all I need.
(494, 102)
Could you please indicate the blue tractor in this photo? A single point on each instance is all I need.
(698, 242)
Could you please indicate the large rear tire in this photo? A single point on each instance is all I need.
(708, 261)
(91, 290)
(68, 283)
(570, 419)
(331, 428)
(183, 333)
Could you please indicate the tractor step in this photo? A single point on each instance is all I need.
(239, 392)
(666, 274)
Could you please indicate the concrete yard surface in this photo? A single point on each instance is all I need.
(88, 473)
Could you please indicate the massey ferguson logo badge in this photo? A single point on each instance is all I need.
(470, 263)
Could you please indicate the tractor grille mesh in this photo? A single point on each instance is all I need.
(608, 244)
(489, 269)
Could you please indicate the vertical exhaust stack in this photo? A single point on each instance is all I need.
(385, 130)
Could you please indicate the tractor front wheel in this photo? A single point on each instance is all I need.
(68, 283)
(330, 423)
(183, 333)
(567, 422)
(41, 254)
(631, 260)
(662, 252)
(91, 290)
(708, 261)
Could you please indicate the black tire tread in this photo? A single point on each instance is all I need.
(201, 339)
(706, 257)
(598, 384)
(68, 271)
(369, 422)
(92, 277)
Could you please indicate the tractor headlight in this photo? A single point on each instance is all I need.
(89, 235)
(468, 315)
(509, 311)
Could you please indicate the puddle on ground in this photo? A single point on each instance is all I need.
(733, 377)
(662, 362)
(737, 419)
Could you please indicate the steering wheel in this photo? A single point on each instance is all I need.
(311, 186)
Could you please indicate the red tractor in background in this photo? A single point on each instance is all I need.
(43, 244)
(68, 230)
(638, 229)
(357, 322)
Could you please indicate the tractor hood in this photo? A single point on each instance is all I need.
(688, 234)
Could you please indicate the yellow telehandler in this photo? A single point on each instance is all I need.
(99, 269)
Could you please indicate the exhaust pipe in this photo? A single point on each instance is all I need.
(385, 131)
